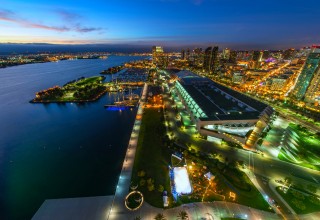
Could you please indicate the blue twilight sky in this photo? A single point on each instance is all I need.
(233, 23)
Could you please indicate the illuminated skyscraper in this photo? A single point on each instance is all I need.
(188, 54)
(307, 86)
(183, 55)
(159, 58)
(226, 53)
(233, 57)
(156, 52)
(211, 60)
(257, 58)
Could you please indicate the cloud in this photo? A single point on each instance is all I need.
(9, 16)
(67, 16)
(81, 29)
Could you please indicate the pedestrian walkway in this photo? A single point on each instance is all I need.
(118, 207)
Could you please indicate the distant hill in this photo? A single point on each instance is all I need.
(16, 48)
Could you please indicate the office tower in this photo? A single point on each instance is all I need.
(233, 57)
(257, 58)
(198, 56)
(226, 54)
(289, 54)
(266, 54)
(307, 85)
(183, 55)
(159, 58)
(188, 54)
(211, 60)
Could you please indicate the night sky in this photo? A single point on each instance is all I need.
(238, 24)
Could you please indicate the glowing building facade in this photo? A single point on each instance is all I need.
(307, 87)
(221, 112)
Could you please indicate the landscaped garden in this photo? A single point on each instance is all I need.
(301, 202)
(151, 165)
(151, 170)
(80, 90)
(307, 147)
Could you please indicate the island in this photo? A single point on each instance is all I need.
(113, 70)
(80, 90)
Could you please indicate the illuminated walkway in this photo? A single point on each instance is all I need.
(122, 189)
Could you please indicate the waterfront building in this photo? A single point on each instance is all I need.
(220, 112)
(307, 85)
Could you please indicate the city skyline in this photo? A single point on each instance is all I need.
(172, 23)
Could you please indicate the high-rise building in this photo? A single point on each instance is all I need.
(211, 60)
(266, 54)
(289, 54)
(183, 55)
(257, 58)
(188, 54)
(197, 56)
(226, 53)
(233, 57)
(308, 82)
(159, 58)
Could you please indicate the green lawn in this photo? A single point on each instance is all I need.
(309, 141)
(309, 148)
(84, 89)
(152, 157)
(301, 203)
(90, 80)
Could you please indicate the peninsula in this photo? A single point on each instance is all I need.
(113, 70)
(80, 90)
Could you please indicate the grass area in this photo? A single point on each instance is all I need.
(301, 203)
(150, 170)
(82, 89)
(308, 148)
(309, 141)
(283, 156)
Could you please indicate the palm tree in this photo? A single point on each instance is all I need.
(183, 215)
(160, 216)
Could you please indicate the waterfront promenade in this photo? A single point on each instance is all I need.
(118, 208)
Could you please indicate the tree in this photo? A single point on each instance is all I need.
(183, 215)
(160, 188)
(141, 173)
(160, 216)
(288, 180)
(142, 182)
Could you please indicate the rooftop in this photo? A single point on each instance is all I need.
(217, 101)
